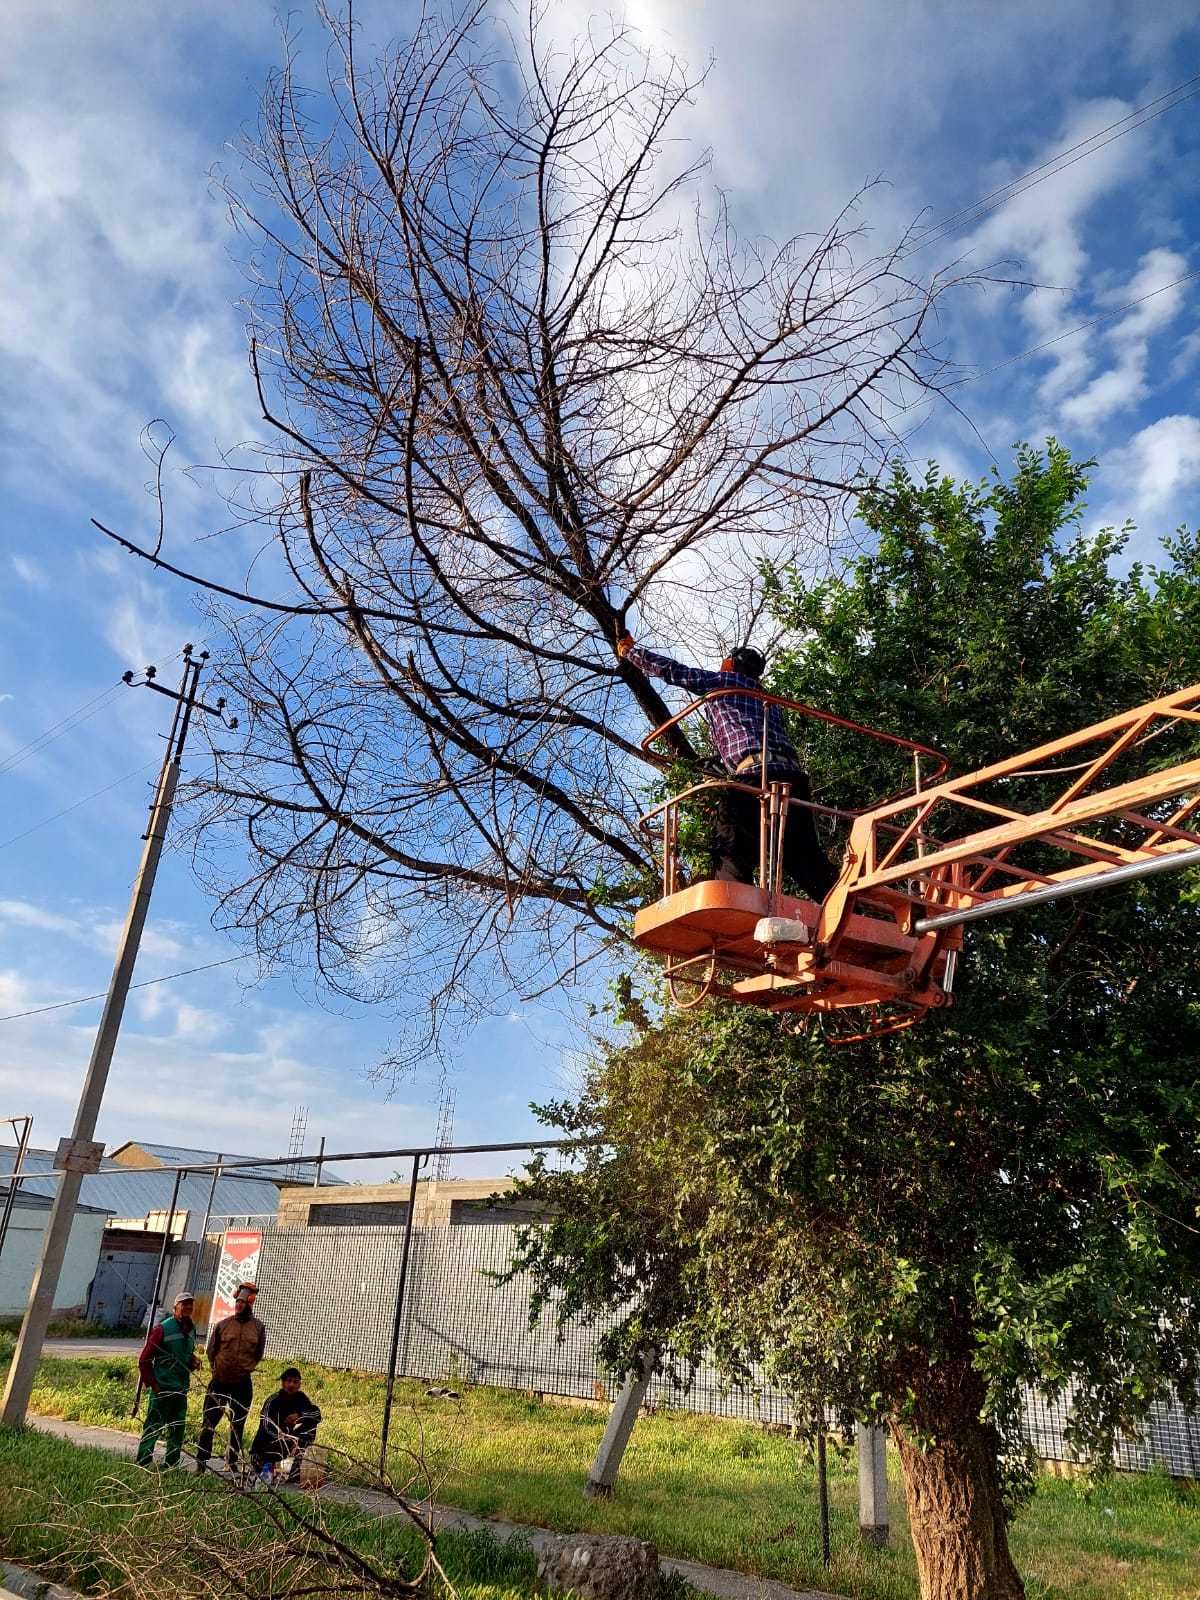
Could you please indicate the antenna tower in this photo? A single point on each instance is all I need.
(297, 1140)
(445, 1129)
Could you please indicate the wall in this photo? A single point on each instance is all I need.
(23, 1249)
(384, 1203)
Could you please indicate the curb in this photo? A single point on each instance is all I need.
(28, 1585)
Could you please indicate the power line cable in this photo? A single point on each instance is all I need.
(66, 810)
(1137, 118)
(146, 983)
(66, 724)
(72, 720)
(1067, 333)
(1080, 327)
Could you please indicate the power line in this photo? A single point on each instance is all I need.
(1103, 316)
(1067, 333)
(73, 719)
(66, 810)
(1137, 118)
(146, 983)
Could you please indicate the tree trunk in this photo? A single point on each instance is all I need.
(952, 1486)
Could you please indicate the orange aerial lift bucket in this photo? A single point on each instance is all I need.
(881, 950)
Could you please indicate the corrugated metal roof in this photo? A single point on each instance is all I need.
(177, 1155)
(135, 1194)
(42, 1202)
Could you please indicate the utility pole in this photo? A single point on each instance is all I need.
(80, 1154)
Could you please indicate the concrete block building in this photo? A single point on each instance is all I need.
(450, 1202)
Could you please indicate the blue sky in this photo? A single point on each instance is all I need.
(119, 303)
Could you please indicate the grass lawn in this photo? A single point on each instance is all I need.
(71, 1328)
(725, 1493)
(45, 1482)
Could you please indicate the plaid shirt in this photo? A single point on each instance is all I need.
(735, 720)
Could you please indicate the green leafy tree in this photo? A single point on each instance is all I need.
(911, 1229)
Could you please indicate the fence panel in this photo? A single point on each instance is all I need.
(328, 1295)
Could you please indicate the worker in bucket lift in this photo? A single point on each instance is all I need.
(736, 724)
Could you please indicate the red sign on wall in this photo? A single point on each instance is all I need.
(238, 1264)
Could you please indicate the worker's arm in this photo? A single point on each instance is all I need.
(150, 1349)
(214, 1343)
(262, 1343)
(695, 679)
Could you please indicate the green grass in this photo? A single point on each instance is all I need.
(73, 1328)
(46, 1482)
(726, 1493)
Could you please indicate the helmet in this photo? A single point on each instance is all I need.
(748, 661)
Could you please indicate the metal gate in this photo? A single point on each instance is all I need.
(122, 1288)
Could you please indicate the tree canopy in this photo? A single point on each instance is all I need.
(915, 1227)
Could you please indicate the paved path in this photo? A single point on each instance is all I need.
(76, 1349)
(719, 1581)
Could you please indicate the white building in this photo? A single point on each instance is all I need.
(23, 1250)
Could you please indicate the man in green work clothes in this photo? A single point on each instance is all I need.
(166, 1364)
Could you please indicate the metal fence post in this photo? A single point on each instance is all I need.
(10, 1199)
(823, 1493)
(158, 1278)
(202, 1243)
(386, 1424)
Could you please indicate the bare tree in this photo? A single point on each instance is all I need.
(526, 390)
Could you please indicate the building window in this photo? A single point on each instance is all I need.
(478, 1213)
(358, 1214)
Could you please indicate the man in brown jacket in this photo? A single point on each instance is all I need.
(235, 1347)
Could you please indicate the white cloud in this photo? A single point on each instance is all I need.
(1043, 227)
(28, 571)
(1124, 384)
(23, 914)
(161, 940)
(1186, 357)
(1154, 480)
(1161, 463)
(116, 289)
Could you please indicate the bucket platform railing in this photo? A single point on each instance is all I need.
(1102, 806)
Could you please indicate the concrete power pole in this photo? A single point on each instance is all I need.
(80, 1154)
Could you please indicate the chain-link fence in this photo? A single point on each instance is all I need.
(329, 1296)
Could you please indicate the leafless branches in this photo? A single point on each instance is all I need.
(528, 392)
(222, 1539)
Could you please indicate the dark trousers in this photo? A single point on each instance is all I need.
(273, 1446)
(236, 1398)
(736, 835)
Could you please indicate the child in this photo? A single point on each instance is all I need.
(287, 1427)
